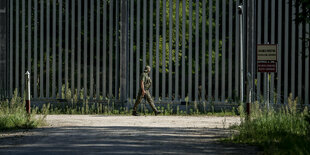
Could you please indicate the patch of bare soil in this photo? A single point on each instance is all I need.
(98, 134)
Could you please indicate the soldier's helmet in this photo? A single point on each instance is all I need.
(147, 69)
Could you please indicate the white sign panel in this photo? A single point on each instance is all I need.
(267, 52)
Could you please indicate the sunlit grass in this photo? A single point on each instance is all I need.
(13, 115)
(114, 109)
(282, 131)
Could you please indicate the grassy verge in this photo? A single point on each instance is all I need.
(284, 131)
(73, 106)
(112, 109)
(13, 115)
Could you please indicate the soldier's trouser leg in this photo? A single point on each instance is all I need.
(138, 101)
(150, 100)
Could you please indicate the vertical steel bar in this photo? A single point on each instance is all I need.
(66, 44)
(230, 33)
(237, 44)
(23, 47)
(224, 46)
(110, 47)
(279, 67)
(203, 27)
(138, 47)
(307, 66)
(170, 50)
(79, 49)
(60, 95)
(286, 51)
(47, 49)
(197, 51)
(123, 51)
(190, 52)
(41, 48)
(157, 52)
(300, 40)
(252, 55)
(150, 39)
(293, 48)
(216, 51)
(29, 37)
(183, 47)
(60, 50)
(72, 46)
(266, 40)
(163, 81)
(144, 32)
(273, 32)
(117, 78)
(131, 47)
(241, 54)
(98, 51)
(17, 47)
(91, 91)
(35, 61)
(104, 58)
(54, 51)
(11, 47)
(177, 65)
(210, 53)
(259, 41)
(85, 48)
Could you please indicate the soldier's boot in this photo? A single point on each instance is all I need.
(157, 112)
(134, 113)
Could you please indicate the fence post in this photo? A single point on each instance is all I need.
(123, 52)
(240, 8)
(27, 92)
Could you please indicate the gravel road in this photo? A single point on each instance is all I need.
(98, 134)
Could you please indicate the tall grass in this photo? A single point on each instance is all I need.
(13, 115)
(76, 105)
(114, 109)
(277, 131)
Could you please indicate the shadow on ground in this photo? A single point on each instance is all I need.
(122, 140)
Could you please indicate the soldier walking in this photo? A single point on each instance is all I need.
(145, 84)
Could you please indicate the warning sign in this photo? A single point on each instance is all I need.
(267, 58)
(267, 67)
(267, 52)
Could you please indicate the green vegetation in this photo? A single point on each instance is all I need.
(13, 115)
(72, 105)
(113, 109)
(303, 16)
(283, 131)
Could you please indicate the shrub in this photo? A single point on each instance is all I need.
(284, 130)
(13, 115)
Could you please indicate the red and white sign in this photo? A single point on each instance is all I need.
(267, 67)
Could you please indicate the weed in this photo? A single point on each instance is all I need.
(13, 115)
(280, 131)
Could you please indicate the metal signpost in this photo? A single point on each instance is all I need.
(240, 9)
(267, 62)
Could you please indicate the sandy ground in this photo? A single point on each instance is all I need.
(98, 134)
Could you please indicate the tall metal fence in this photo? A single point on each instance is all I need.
(4, 38)
(72, 49)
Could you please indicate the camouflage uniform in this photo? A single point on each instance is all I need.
(147, 84)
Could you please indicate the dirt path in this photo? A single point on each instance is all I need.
(96, 134)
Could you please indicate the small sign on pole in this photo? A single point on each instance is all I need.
(267, 57)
